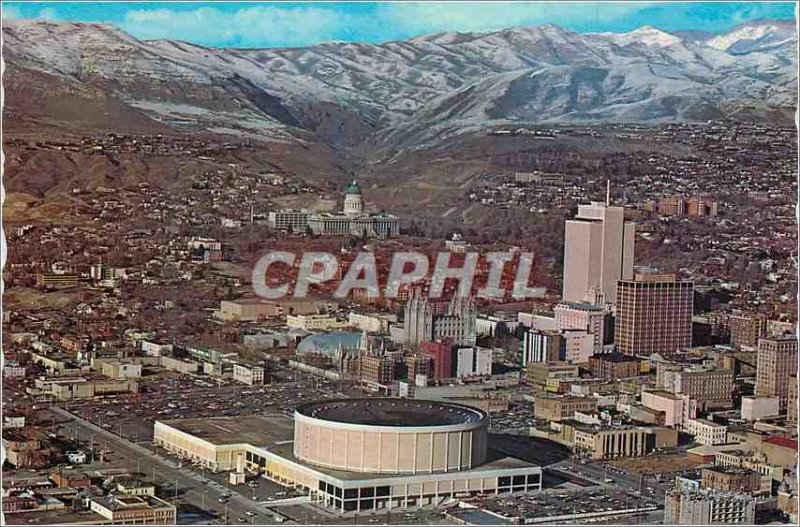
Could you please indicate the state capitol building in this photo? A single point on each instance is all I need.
(353, 220)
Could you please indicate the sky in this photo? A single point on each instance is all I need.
(294, 24)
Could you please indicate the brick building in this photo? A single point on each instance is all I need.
(654, 315)
(777, 360)
(747, 329)
(613, 366)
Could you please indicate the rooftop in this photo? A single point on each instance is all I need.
(392, 412)
(782, 441)
(257, 430)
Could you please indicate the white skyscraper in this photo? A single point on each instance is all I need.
(598, 251)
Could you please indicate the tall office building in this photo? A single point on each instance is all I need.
(776, 362)
(654, 315)
(598, 252)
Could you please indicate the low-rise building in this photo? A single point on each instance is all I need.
(709, 388)
(562, 408)
(377, 369)
(756, 408)
(180, 365)
(294, 221)
(597, 442)
(614, 366)
(253, 309)
(677, 408)
(708, 508)
(540, 373)
(706, 432)
(134, 509)
(135, 487)
(731, 479)
(116, 369)
(372, 322)
(315, 322)
(65, 389)
(250, 374)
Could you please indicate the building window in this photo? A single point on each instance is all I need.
(350, 494)
(367, 492)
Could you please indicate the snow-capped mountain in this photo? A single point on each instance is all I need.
(759, 35)
(346, 94)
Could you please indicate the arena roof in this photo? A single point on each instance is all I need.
(392, 412)
(257, 430)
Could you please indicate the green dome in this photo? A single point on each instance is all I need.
(353, 188)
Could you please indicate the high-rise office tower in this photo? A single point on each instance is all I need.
(776, 362)
(598, 251)
(654, 315)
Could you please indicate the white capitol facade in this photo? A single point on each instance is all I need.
(353, 220)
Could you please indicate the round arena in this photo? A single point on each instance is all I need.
(390, 436)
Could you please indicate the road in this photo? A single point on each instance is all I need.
(193, 488)
(628, 481)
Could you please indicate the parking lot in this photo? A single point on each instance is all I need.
(173, 396)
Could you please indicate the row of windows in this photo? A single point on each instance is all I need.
(256, 459)
(370, 503)
(367, 494)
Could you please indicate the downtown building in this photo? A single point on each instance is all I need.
(706, 388)
(776, 362)
(353, 220)
(745, 330)
(709, 508)
(354, 455)
(598, 252)
(654, 315)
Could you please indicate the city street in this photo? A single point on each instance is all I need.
(597, 472)
(192, 488)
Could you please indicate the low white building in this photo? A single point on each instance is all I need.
(707, 432)
(155, 349)
(372, 322)
(76, 457)
(250, 374)
(314, 322)
(755, 408)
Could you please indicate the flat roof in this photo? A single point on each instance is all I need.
(256, 430)
(495, 461)
(392, 412)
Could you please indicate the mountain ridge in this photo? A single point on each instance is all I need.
(348, 95)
